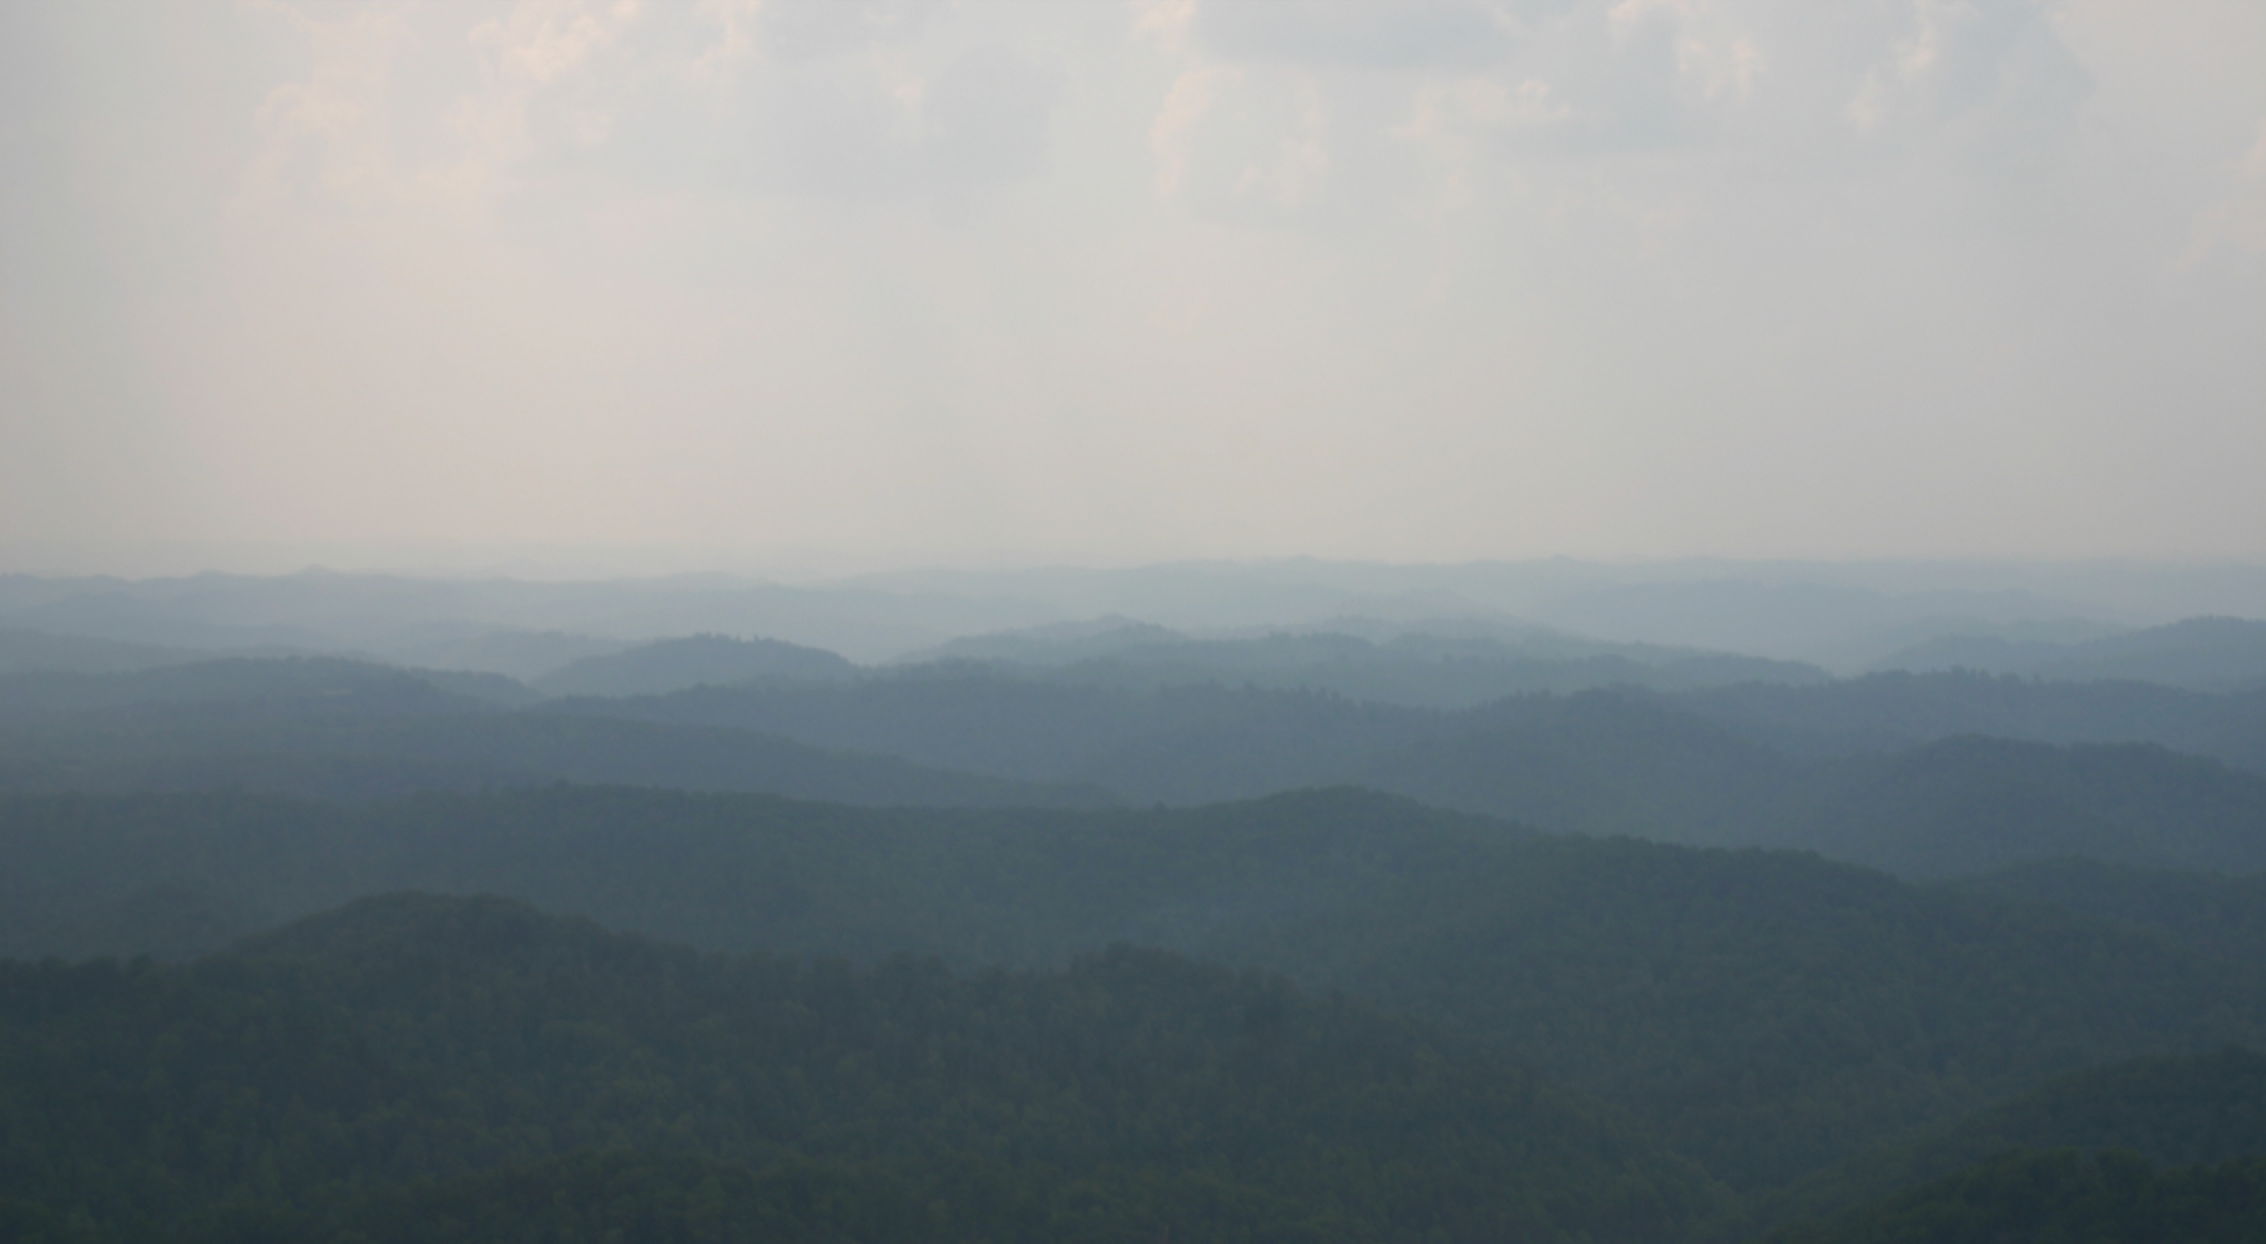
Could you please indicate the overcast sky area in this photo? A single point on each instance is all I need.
(960, 283)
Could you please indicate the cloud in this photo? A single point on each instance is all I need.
(330, 133)
(1586, 275)
(540, 45)
(1992, 76)
(888, 127)
(810, 30)
(986, 118)
(2234, 223)
(1410, 35)
(1173, 131)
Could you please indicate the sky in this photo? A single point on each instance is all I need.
(946, 283)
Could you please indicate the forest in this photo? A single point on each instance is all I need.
(1115, 932)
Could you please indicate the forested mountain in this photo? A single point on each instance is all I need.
(712, 660)
(988, 719)
(1607, 762)
(307, 1077)
(2205, 654)
(1610, 763)
(519, 654)
(1426, 664)
(2109, 1198)
(1768, 1013)
(374, 757)
(2180, 1112)
(1841, 615)
(38, 652)
(1178, 745)
(1964, 806)
(2220, 916)
(1462, 918)
(1599, 762)
(1888, 712)
(237, 689)
(331, 728)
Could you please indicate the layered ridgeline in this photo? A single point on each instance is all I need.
(702, 660)
(2207, 654)
(2183, 1114)
(331, 728)
(1753, 766)
(1708, 768)
(2219, 916)
(418, 1068)
(1767, 1013)
(1443, 664)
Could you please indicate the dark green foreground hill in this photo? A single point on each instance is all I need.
(2182, 1113)
(416, 1067)
(2104, 1198)
(1768, 1013)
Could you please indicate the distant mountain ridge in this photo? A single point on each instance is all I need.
(700, 660)
(40, 652)
(1897, 771)
(1430, 663)
(2202, 654)
(1844, 616)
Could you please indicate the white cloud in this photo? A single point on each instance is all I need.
(332, 129)
(1419, 281)
(1410, 35)
(2236, 222)
(539, 45)
(1173, 131)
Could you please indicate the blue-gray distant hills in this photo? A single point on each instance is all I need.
(1926, 775)
(702, 660)
(2204, 654)
(1438, 663)
(337, 729)
(25, 651)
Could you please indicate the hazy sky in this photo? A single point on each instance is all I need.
(1060, 281)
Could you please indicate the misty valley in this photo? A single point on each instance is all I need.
(1274, 903)
(1132, 622)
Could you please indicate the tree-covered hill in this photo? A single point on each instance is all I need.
(1599, 763)
(1437, 665)
(2224, 917)
(2204, 653)
(1769, 1012)
(1969, 805)
(328, 728)
(1669, 768)
(2183, 1112)
(1621, 763)
(2104, 1198)
(701, 660)
(1174, 744)
(318, 1072)
(234, 690)
(25, 651)
(1891, 712)
(1666, 768)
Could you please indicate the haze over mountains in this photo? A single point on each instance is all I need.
(1844, 616)
(1351, 622)
(1780, 944)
